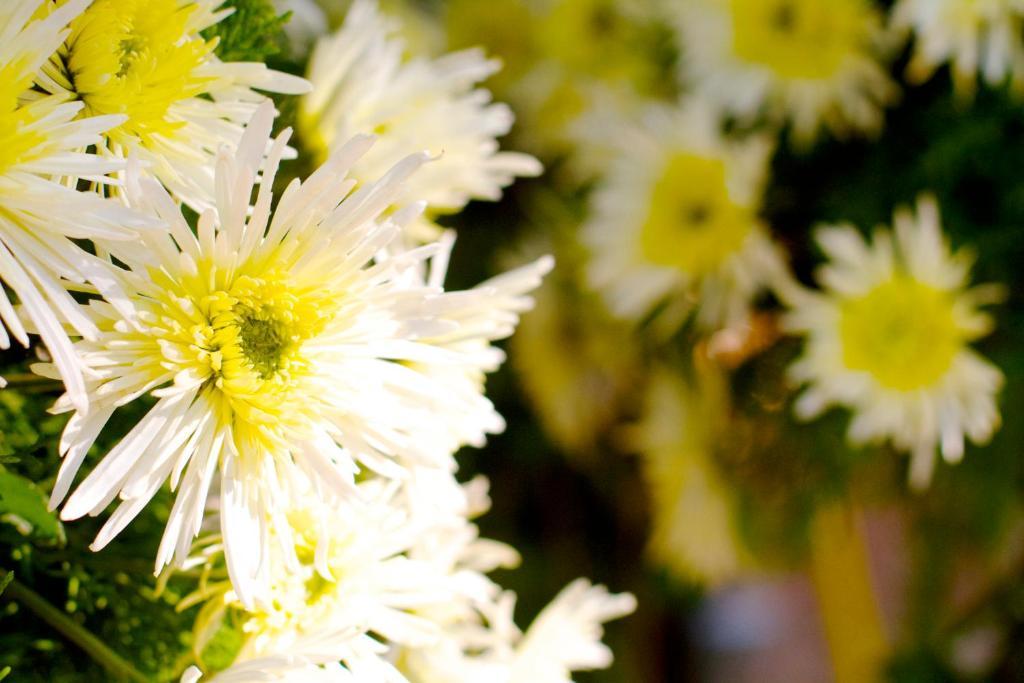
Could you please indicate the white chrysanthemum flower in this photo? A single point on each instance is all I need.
(340, 585)
(806, 62)
(889, 339)
(147, 60)
(362, 84)
(676, 221)
(384, 588)
(275, 344)
(974, 36)
(39, 216)
(676, 438)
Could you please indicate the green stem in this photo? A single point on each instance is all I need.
(92, 645)
(28, 378)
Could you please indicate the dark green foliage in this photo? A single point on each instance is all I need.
(110, 594)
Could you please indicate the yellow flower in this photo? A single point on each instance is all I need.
(128, 57)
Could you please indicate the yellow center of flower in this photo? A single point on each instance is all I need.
(136, 57)
(245, 341)
(17, 142)
(693, 224)
(255, 332)
(904, 333)
(799, 38)
(264, 339)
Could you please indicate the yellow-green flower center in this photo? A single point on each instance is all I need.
(263, 337)
(693, 224)
(136, 57)
(799, 38)
(255, 331)
(904, 333)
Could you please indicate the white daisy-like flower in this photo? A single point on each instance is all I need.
(805, 62)
(363, 84)
(148, 61)
(681, 425)
(976, 37)
(275, 344)
(675, 221)
(39, 216)
(889, 338)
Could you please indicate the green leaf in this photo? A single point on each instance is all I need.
(221, 649)
(23, 505)
(251, 33)
(5, 580)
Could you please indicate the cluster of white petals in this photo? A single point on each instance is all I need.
(42, 141)
(404, 597)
